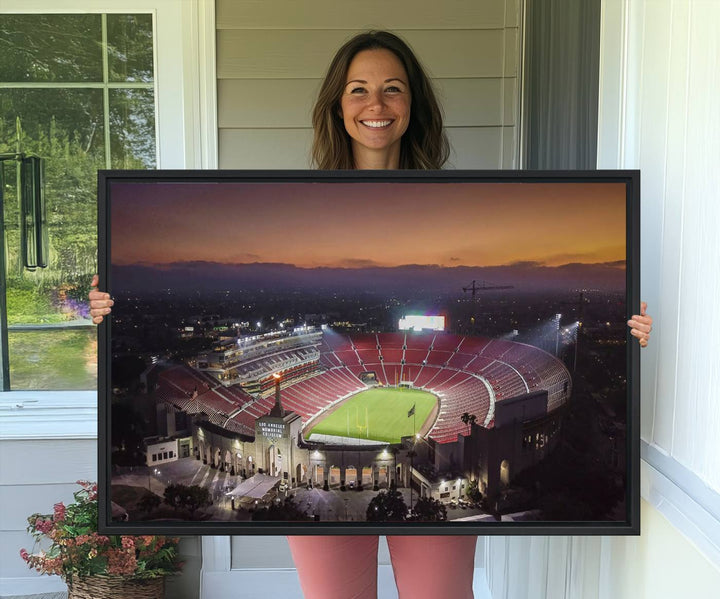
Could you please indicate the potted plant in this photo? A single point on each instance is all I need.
(112, 567)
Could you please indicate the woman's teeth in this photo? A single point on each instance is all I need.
(376, 124)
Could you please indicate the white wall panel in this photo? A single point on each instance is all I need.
(654, 84)
(697, 425)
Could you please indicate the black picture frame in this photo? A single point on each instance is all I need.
(616, 424)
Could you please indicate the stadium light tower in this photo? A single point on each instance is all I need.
(557, 334)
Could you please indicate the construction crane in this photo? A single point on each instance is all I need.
(474, 288)
(486, 286)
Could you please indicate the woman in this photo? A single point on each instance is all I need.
(377, 110)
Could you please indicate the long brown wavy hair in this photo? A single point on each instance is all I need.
(424, 144)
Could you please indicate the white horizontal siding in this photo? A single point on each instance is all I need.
(270, 54)
(351, 14)
(288, 103)
(271, 58)
(34, 475)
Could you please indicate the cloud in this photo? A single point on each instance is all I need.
(526, 264)
(358, 263)
(454, 259)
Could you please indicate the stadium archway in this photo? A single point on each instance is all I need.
(367, 475)
(318, 474)
(505, 473)
(351, 475)
(273, 461)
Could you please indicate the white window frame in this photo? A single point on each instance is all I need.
(186, 130)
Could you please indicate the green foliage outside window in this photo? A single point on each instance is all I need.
(82, 105)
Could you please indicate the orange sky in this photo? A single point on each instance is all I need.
(362, 224)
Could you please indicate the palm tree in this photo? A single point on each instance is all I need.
(468, 419)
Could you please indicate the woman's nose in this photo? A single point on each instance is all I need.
(376, 99)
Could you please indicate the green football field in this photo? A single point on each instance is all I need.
(379, 414)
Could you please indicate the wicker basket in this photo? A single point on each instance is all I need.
(116, 587)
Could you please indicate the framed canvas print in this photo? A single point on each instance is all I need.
(369, 352)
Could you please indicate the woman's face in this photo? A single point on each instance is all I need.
(375, 105)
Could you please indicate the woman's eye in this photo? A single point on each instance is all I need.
(393, 89)
(357, 90)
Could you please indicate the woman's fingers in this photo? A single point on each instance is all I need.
(100, 302)
(641, 325)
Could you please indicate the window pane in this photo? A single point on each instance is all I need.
(50, 48)
(65, 127)
(52, 343)
(130, 47)
(132, 128)
(54, 359)
(75, 117)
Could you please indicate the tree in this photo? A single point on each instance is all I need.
(428, 509)
(387, 506)
(149, 502)
(189, 498)
(283, 511)
(473, 491)
(468, 419)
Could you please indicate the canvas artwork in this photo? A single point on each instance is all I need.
(349, 353)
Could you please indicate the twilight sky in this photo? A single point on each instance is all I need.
(355, 225)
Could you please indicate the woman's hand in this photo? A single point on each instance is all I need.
(100, 302)
(641, 325)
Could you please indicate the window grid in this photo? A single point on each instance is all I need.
(105, 85)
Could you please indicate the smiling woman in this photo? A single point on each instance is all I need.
(375, 108)
(363, 116)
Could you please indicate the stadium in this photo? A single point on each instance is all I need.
(316, 406)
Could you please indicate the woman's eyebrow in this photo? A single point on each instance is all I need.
(386, 80)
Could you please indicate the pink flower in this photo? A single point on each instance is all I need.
(128, 542)
(44, 526)
(121, 562)
(24, 555)
(59, 512)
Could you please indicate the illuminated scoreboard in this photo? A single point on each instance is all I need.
(422, 323)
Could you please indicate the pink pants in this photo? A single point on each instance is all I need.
(346, 567)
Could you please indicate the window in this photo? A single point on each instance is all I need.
(76, 90)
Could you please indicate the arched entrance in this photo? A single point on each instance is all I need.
(505, 473)
(273, 461)
(351, 477)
